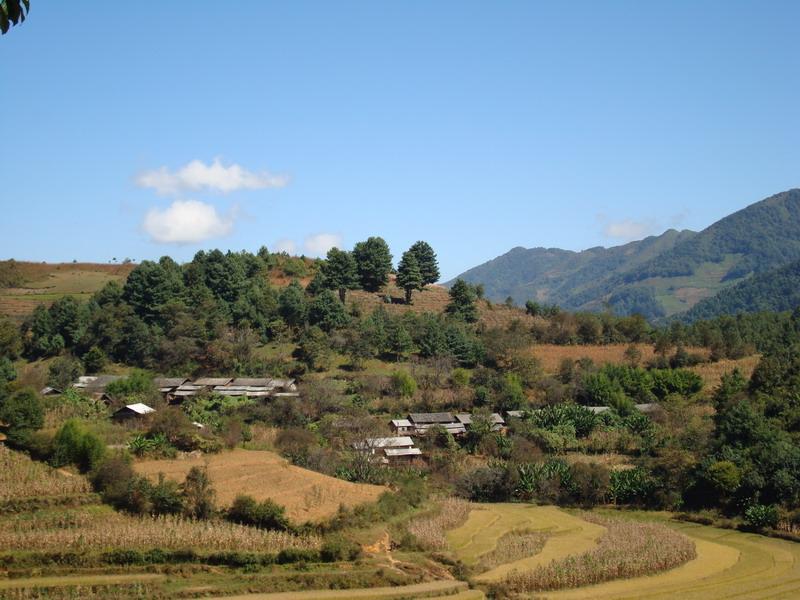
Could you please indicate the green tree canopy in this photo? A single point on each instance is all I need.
(373, 263)
(409, 276)
(340, 271)
(426, 259)
(462, 301)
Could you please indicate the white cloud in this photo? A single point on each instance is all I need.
(319, 244)
(186, 222)
(628, 229)
(215, 177)
(287, 246)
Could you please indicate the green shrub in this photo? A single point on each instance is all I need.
(761, 516)
(265, 515)
(74, 445)
(339, 548)
(403, 384)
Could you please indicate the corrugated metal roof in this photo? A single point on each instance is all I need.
(402, 451)
(212, 381)
(422, 418)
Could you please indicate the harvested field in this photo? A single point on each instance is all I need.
(627, 549)
(729, 564)
(488, 523)
(22, 478)
(307, 495)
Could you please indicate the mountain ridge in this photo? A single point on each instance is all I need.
(657, 276)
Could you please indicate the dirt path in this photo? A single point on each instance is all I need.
(433, 589)
(78, 580)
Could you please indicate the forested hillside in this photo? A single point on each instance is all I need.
(776, 290)
(658, 276)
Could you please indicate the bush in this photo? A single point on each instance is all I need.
(337, 547)
(198, 494)
(23, 414)
(94, 360)
(76, 446)
(761, 516)
(264, 515)
(403, 384)
(63, 371)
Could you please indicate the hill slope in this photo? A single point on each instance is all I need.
(657, 276)
(776, 290)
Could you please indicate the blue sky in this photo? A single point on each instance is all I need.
(477, 126)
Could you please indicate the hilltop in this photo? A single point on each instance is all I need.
(658, 276)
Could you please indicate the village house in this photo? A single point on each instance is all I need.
(391, 450)
(132, 411)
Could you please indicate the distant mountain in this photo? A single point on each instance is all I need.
(658, 276)
(777, 290)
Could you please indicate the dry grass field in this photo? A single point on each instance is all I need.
(713, 372)
(551, 355)
(42, 283)
(434, 299)
(307, 495)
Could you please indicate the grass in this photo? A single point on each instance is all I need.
(22, 478)
(43, 283)
(627, 549)
(99, 528)
(307, 495)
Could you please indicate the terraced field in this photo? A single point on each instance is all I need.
(488, 523)
(729, 564)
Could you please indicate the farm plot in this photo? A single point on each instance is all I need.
(22, 479)
(487, 524)
(729, 564)
(307, 495)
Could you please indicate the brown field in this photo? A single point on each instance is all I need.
(713, 372)
(434, 299)
(45, 282)
(551, 355)
(307, 495)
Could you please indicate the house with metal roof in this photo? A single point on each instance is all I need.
(132, 411)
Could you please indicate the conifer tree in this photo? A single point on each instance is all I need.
(409, 276)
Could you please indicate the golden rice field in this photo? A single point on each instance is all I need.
(97, 528)
(22, 478)
(307, 495)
